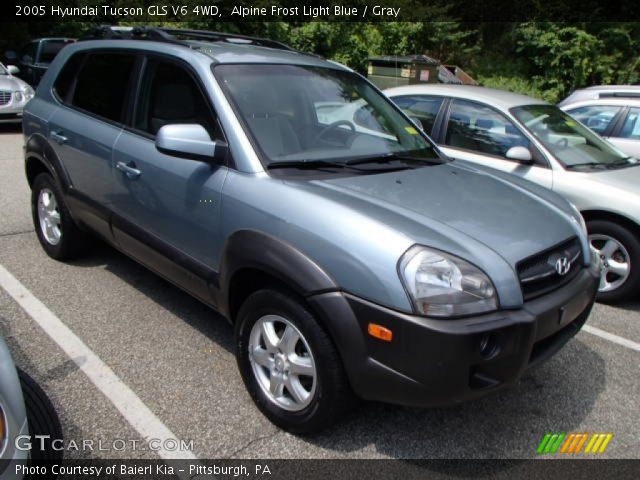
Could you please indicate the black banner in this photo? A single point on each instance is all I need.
(116, 11)
(326, 469)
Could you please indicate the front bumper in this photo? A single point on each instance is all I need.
(432, 362)
(12, 112)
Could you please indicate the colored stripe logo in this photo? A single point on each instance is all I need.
(573, 443)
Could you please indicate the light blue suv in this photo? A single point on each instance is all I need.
(352, 257)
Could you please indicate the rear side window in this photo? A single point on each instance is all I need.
(67, 76)
(421, 107)
(51, 48)
(102, 85)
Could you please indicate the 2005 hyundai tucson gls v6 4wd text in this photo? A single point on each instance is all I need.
(352, 264)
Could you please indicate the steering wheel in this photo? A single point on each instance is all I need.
(333, 126)
(562, 144)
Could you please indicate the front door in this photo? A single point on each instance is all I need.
(477, 133)
(167, 212)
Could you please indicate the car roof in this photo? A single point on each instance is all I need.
(498, 98)
(603, 92)
(218, 52)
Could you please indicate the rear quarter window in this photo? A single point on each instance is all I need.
(67, 76)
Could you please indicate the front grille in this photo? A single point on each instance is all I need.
(538, 274)
(5, 97)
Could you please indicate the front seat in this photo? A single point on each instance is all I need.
(273, 130)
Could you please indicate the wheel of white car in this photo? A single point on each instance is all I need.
(289, 364)
(619, 251)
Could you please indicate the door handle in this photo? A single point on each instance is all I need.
(129, 170)
(58, 137)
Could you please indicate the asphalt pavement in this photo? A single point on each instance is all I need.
(176, 356)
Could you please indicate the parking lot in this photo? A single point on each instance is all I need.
(175, 356)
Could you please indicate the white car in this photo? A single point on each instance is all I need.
(14, 95)
(539, 142)
(613, 111)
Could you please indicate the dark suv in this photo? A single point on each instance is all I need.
(352, 260)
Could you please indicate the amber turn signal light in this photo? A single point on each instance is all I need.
(380, 332)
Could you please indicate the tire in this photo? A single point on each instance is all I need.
(615, 287)
(72, 242)
(42, 419)
(328, 396)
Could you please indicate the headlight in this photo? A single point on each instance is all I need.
(28, 93)
(442, 285)
(579, 217)
(18, 97)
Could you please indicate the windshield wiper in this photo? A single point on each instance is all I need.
(588, 165)
(396, 157)
(312, 164)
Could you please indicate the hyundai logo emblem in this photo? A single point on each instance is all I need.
(563, 265)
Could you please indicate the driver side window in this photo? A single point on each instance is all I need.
(478, 128)
(170, 95)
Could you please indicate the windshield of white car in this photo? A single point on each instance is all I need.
(570, 142)
(297, 113)
(3, 70)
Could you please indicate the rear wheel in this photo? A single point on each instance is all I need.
(619, 251)
(289, 364)
(58, 234)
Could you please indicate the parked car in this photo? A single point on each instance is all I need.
(348, 262)
(611, 111)
(536, 141)
(25, 410)
(14, 95)
(36, 56)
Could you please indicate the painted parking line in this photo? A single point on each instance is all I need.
(612, 338)
(141, 418)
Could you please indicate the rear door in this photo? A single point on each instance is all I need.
(478, 133)
(93, 89)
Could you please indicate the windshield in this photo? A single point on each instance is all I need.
(309, 114)
(3, 70)
(573, 144)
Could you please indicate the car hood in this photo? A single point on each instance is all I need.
(461, 201)
(625, 178)
(8, 82)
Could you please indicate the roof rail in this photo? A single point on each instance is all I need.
(177, 36)
(622, 94)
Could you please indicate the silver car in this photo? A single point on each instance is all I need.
(612, 111)
(25, 411)
(539, 142)
(14, 95)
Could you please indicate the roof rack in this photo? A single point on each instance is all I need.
(178, 36)
(622, 94)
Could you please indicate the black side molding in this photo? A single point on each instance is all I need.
(249, 249)
(37, 149)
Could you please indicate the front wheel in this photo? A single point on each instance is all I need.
(619, 251)
(289, 364)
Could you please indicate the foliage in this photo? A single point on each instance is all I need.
(544, 59)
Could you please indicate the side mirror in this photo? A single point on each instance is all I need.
(13, 70)
(520, 154)
(190, 141)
